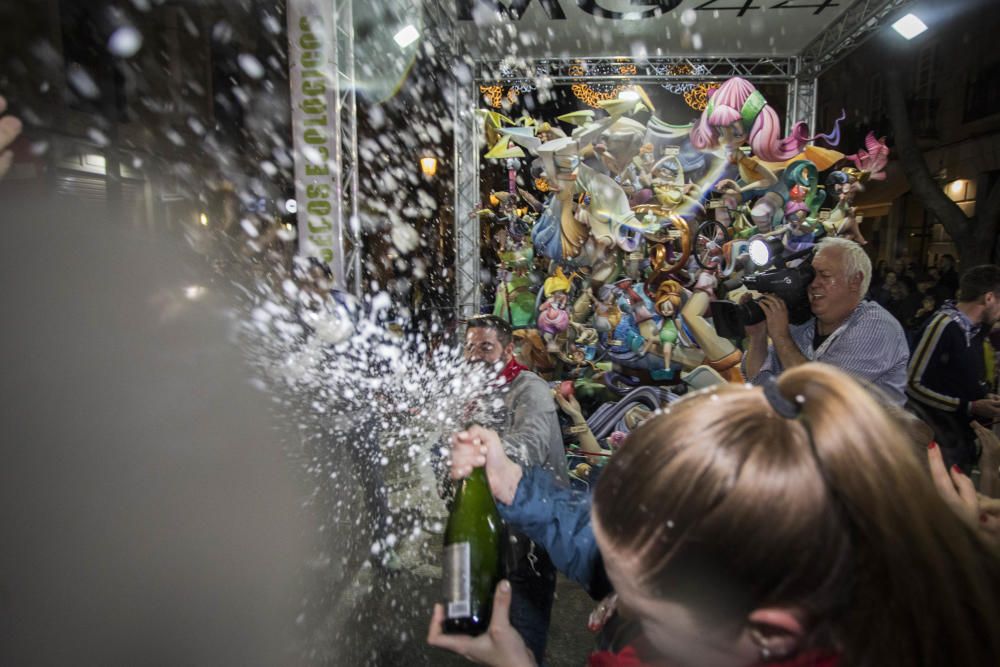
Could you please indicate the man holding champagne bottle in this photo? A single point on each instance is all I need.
(526, 420)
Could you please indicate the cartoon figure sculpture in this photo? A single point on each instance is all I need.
(643, 163)
(872, 159)
(847, 182)
(583, 307)
(731, 212)
(707, 281)
(669, 187)
(843, 220)
(515, 300)
(668, 305)
(640, 312)
(619, 144)
(802, 180)
(553, 314)
(798, 234)
(736, 115)
(719, 353)
(767, 212)
(607, 315)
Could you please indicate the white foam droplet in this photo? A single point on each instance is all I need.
(82, 82)
(97, 136)
(404, 237)
(251, 66)
(125, 42)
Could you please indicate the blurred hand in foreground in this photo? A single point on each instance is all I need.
(10, 129)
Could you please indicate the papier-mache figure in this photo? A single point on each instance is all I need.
(798, 234)
(670, 189)
(668, 305)
(847, 182)
(607, 314)
(553, 314)
(515, 300)
(731, 211)
(642, 316)
(738, 115)
(768, 212)
(843, 220)
(643, 164)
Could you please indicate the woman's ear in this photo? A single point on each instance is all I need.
(776, 631)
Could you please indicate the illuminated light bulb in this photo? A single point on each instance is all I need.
(909, 26)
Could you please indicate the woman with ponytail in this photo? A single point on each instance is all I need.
(791, 524)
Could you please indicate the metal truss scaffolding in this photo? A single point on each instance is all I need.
(862, 20)
(467, 275)
(465, 158)
(345, 158)
(653, 70)
(801, 99)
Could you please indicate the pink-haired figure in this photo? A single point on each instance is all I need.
(737, 114)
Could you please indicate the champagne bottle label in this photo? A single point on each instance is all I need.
(457, 577)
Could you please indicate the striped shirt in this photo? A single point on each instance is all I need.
(870, 346)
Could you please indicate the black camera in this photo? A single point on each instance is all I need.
(791, 285)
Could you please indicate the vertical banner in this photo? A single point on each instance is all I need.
(312, 60)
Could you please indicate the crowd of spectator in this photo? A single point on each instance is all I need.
(911, 294)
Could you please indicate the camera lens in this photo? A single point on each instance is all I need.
(751, 313)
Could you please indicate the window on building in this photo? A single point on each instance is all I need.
(982, 93)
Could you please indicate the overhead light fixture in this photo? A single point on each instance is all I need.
(909, 26)
(203, 219)
(429, 166)
(406, 36)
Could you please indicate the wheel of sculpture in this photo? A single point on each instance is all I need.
(708, 245)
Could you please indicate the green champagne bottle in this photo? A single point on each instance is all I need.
(471, 557)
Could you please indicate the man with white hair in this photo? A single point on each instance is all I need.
(859, 337)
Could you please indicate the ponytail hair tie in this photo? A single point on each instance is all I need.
(784, 407)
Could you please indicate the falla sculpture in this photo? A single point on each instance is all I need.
(636, 223)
